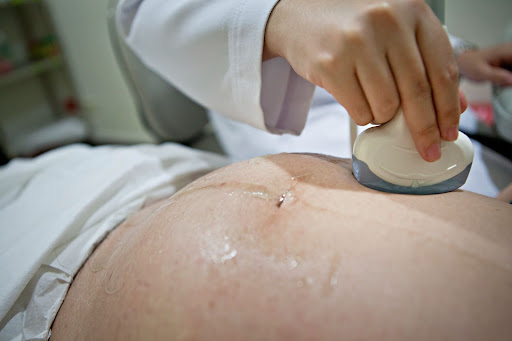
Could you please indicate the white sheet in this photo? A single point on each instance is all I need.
(56, 208)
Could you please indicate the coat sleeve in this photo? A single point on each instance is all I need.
(211, 51)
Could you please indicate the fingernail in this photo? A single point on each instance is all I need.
(451, 133)
(434, 152)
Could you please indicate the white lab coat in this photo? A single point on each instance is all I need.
(211, 51)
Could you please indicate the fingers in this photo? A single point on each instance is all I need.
(383, 55)
(368, 92)
(442, 72)
(415, 95)
(499, 55)
(497, 75)
(348, 92)
(378, 85)
(463, 101)
(488, 64)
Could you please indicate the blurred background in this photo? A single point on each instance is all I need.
(60, 82)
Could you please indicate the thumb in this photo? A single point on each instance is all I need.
(463, 101)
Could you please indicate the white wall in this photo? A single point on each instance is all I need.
(109, 108)
(480, 21)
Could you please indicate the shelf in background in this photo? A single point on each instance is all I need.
(11, 3)
(30, 70)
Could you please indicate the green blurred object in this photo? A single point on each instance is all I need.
(6, 64)
(17, 2)
(4, 46)
(44, 47)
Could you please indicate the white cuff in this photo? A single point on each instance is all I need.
(283, 96)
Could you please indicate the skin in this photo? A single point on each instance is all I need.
(374, 56)
(292, 247)
(489, 64)
(506, 194)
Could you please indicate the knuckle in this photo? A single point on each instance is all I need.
(326, 63)
(358, 112)
(450, 75)
(354, 37)
(382, 13)
(449, 115)
(447, 76)
(417, 5)
(361, 118)
(387, 110)
(390, 105)
(429, 130)
(420, 88)
(362, 121)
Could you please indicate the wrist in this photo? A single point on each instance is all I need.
(271, 44)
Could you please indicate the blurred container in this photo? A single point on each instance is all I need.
(44, 47)
(502, 103)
